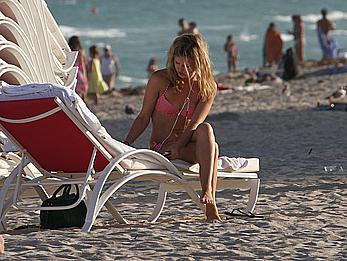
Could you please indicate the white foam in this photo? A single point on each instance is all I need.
(68, 2)
(246, 37)
(282, 18)
(286, 37)
(128, 79)
(313, 18)
(221, 27)
(340, 32)
(91, 32)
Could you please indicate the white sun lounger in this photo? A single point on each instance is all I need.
(12, 74)
(64, 149)
(14, 55)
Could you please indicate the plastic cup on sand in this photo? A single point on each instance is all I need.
(333, 168)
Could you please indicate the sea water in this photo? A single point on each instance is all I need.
(140, 29)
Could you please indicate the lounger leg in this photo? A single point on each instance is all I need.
(4, 190)
(160, 203)
(3, 225)
(253, 194)
(195, 198)
(90, 217)
(114, 212)
(41, 192)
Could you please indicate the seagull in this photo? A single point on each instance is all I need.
(337, 95)
(129, 109)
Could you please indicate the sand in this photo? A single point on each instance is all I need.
(302, 209)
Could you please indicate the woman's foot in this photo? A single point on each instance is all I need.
(206, 197)
(212, 215)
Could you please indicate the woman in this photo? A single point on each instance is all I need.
(177, 100)
(299, 37)
(152, 66)
(231, 50)
(96, 83)
(274, 45)
(81, 62)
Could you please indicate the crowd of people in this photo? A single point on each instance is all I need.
(98, 73)
(273, 44)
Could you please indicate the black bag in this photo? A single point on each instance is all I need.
(73, 217)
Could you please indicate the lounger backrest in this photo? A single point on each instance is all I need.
(55, 142)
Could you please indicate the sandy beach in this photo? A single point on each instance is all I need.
(301, 213)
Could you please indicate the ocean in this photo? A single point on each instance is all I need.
(138, 30)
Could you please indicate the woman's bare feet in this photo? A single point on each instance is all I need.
(212, 213)
(206, 197)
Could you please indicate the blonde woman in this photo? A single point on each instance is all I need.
(177, 101)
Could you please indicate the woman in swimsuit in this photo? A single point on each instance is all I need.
(177, 100)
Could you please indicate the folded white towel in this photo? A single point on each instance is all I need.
(231, 164)
(224, 163)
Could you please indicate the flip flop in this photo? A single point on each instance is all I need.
(238, 212)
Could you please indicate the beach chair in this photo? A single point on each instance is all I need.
(12, 74)
(12, 54)
(66, 151)
(15, 10)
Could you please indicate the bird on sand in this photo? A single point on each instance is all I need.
(129, 109)
(338, 94)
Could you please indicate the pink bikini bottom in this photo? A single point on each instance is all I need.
(156, 146)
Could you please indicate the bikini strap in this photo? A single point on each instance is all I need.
(167, 87)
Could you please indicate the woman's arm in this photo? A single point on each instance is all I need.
(200, 114)
(142, 120)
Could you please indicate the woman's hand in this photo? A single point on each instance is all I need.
(172, 152)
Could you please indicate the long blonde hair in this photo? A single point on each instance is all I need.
(194, 47)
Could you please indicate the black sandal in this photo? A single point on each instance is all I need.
(238, 212)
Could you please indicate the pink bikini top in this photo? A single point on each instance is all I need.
(164, 106)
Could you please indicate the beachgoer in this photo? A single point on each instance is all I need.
(183, 24)
(177, 101)
(290, 65)
(264, 45)
(232, 57)
(193, 28)
(96, 83)
(94, 10)
(274, 45)
(110, 67)
(152, 66)
(299, 37)
(81, 63)
(327, 42)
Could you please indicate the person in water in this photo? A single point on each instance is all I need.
(299, 37)
(177, 101)
(231, 50)
(327, 42)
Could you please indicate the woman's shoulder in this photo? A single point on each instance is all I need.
(161, 73)
(160, 76)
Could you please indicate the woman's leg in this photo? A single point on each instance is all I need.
(96, 98)
(211, 209)
(205, 156)
(204, 148)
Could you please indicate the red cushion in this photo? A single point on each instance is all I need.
(55, 142)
